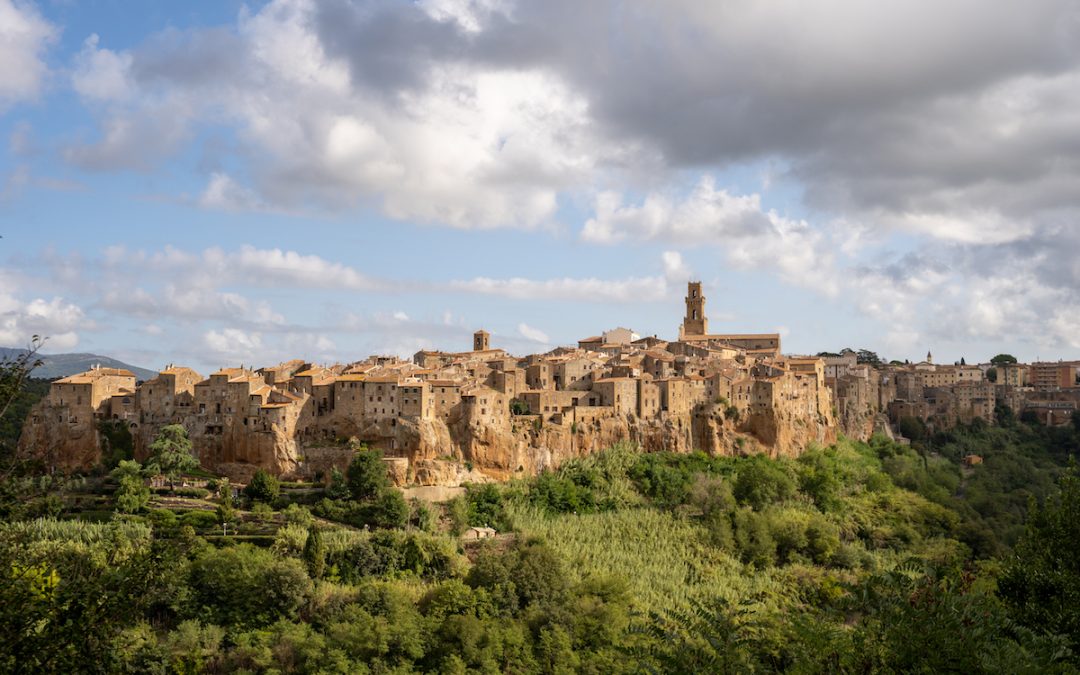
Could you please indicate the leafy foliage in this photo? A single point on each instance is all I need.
(367, 475)
(170, 453)
(858, 557)
(263, 487)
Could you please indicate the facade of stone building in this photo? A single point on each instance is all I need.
(498, 413)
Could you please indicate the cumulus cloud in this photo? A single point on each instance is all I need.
(57, 320)
(233, 345)
(534, 334)
(587, 289)
(225, 194)
(101, 74)
(675, 268)
(887, 128)
(751, 236)
(24, 36)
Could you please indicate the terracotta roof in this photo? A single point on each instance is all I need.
(382, 379)
(177, 370)
(89, 376)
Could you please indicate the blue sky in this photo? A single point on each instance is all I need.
(219, 183)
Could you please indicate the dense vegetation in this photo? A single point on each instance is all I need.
(11, 421)
(859, 557)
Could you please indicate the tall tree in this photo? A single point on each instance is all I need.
(1041, 584)
(1003, 358)
(170, 454)
(263, 487)
(367, 475)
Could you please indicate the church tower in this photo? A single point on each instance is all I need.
(481, 341)
(695, 322)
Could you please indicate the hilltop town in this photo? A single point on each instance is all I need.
(444, 418)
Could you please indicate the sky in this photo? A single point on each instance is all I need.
(224, 183)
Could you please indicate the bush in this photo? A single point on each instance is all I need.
(367, 475)
(263, 488)
(192, 492)
(556, 494)
(753, 538)
(295, 514)
(762, 481)
(485, 504)
(246, 586)
(163, 520)
(388, 511)
(200, 520)
(262, 512)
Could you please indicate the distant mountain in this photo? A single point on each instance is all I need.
(62, 365)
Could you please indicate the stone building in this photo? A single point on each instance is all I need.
(447, 407)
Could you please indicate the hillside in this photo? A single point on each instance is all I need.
(854, 558)
(62, 365)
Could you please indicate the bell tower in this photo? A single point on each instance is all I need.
(481, 341)
(695, 323)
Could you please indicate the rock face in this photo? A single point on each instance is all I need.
(437, 453)
(51, 437)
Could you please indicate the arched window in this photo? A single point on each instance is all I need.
(695, 315)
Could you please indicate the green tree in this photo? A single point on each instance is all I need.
(246, 586)
(226, 513)
(1003, 359)
(133, 495)
(912, 428)
(869, 357)
(1041, 583)
(170, 454)
(761, 481)
(315, 553)
(389, 510)
(263, 487)
(339, 486)
(367, 475)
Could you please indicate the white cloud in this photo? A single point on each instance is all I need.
(631, 290)
(24, 35)
(57, 320)
(675, 268)
(233, 345)
(534, 334)
(101, 74)
(750, 236)
(225, 194)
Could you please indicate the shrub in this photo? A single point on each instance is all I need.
(367, 475)
(192, 492)
(295, 514)
(200, 520)
(246, 586)
(761, 481)
(262, 512)
(485, 504)
(262, 488)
